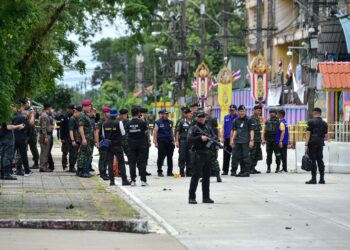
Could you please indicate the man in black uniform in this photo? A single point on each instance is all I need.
(64, 135)
(201, 161)
(144, 114)
(123, 116)
(315, 136)
(242, 139)
(138, 146)
(114, 130)
(181, 133)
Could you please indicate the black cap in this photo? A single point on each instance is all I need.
(282, 112)
(201, 114)
(23, 101)
(78, 108)
(257, 107)
(273, 111)
(241, 107)
(186, 110)
(143, 110)
(232, 106)
(47, 105)
(194, 105)
(318, 110)
(183, 108)
(123, 111)
(72, 106)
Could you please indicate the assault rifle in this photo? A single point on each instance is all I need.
(212, 140)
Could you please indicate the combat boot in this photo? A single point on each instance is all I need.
(192, 201)
(35, 166)
(268, 169)
(312, 181)
(104, 177)
(72, 170)
(208, 200)
(277, 169)
(218, 177)
(322, 181)
(182, 172)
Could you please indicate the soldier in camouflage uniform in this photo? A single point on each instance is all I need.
(86, 137)
(255, 152)
(102, 162)
(181, 131)
(73, 128)
(212, 123)
(271, 127)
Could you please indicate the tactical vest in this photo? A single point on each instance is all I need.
(271, 128)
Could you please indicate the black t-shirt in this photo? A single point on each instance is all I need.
(243, 126)
(318, 129)
(19, 119)
(136, 130)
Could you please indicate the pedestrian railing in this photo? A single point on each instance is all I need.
(338, 131)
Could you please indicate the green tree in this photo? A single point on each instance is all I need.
(59, 97)
(35, 47)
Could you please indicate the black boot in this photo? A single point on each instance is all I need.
(36, 165)
(322, 181)
(218, 177)
(277, 169)
(192, 201)
(268, 169)
(182, 172)
(208, 200)
(312, 181)
(72, 170)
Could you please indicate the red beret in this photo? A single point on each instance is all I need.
(86, 103)
(106, 109)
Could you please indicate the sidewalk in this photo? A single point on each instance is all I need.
(266, 211)
(61, 198)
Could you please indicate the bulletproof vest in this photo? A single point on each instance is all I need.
(112, 131)
(319, 131)
(164, 130)
(271, 128)
(184, 129)
(200, 145)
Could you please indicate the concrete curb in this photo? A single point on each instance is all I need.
(129, 226)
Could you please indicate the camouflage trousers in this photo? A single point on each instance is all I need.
(255, 154)
(84, 157)
(102, 162)
(214, 163)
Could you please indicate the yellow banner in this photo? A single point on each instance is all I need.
(225, 94)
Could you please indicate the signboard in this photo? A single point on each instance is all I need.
(259, 70)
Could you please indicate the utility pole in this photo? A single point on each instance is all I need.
(225, 37)
(202, 20)
(181, 97)
(271, 24)
(259, 9)
(142, 63)
(313, 54)
(126, 74)
(155, 84)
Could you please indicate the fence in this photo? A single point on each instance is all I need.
(339, 132)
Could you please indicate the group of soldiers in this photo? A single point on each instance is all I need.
(196, 134)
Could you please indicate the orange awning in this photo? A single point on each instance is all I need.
(336, 75)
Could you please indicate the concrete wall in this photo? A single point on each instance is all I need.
(336, 157)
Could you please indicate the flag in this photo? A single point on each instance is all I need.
(236, 75)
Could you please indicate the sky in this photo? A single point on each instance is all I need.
(72, 77)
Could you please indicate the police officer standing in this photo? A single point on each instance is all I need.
(7, 149)
(228, 120)
(255, 152)
(269, 137)
(113, 131)
(282, 138)
(86, 138)
(136, 129)
(102, 162)
(181, 133)
(163, 139)
(74, 138)
(201, 163)
(242, 139)
(64, 135)
(212, 123)
(144, 113)
(45, 138)
(315, 136)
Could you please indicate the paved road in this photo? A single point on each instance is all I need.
(267, 211)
